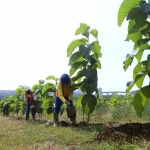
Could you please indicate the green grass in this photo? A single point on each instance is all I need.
(17, 134)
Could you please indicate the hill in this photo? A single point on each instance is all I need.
(6, 93)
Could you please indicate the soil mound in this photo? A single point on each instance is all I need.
(129, 132)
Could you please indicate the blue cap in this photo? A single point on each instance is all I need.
(65, 79)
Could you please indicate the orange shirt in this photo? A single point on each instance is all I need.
(63, 91)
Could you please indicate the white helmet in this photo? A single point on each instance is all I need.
(26, 88)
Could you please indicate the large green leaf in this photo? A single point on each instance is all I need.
(148, 62)
(138, 68)
(41, 81)
(84, 51)
(137, 36)
(143, 45)
(49, 110)
(46, 101)
(125, 7)
(75, 67)
(90, 85)
(37, 88)
(139, 56)
(38, 104)
(145, 32)
(92, 60)
(78, 77)
(88, 103)
(78, 31)
(140, 100)
(48, 87)
(96, 49)
(135, 46)
(86, 34)
(90, 73)
(138, 81)
(79, 100)
(131, 24)
(94, 32)
(127, 62)
(98, 64)
(139, 42)
(138, 27)
(134, 37)
(51, 78)
(75, 57)
(91, 45)
(40, 110)
(97, 93)
(74, 44)
(142, 41)
(145, 7)
(83, 27)
(136, 12)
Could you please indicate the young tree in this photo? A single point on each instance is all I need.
(84, 63)
(137, 14)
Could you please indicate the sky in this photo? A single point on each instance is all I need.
(35, 34)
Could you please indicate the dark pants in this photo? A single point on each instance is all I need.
(33, 112)
(5, 111)
(58, 104)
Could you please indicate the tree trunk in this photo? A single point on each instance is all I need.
(88, 119)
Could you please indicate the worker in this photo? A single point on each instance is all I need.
(30, 99)
(63, 96)
(5, 109)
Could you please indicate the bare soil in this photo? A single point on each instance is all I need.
(129, 132)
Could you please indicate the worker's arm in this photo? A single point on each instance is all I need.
(25, 98)
(70, 95)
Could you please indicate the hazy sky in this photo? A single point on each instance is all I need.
(35, 34)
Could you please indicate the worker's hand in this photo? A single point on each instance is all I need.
(67, 103)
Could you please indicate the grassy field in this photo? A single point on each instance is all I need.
(17, 134)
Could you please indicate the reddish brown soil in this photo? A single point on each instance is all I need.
(128, 132)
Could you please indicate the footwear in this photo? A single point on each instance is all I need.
(55, 116)
(73, 120)
(27, 116)
(33, 117)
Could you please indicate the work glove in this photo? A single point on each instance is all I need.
(67, 103)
